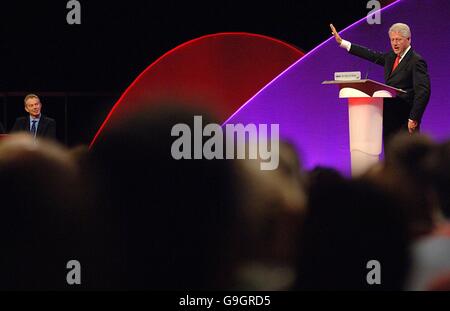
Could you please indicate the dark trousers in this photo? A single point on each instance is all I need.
(395, 118)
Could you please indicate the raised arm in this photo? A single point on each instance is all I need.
(357, 50)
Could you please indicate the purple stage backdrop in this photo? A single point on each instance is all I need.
(311, 115)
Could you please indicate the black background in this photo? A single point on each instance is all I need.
(91, 64)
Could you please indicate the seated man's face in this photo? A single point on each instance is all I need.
(33, 107)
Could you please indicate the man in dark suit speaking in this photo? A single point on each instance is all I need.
(403, 69)
(35, 123)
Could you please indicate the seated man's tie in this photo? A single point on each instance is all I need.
(33, 128)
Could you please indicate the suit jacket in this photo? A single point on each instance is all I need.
(46, 127)
(411, 75)
(2, 129)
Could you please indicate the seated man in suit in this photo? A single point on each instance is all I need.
(403, 69)
(35, 123)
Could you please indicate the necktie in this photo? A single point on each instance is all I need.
(397, 61)
(33, 128)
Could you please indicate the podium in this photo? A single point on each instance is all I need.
(365, 110)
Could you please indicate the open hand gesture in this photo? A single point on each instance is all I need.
(335, 34)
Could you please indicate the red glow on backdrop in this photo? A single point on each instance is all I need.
(218, 73)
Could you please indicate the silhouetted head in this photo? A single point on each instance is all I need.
(407, 176)
(40, 221)
(438, 167)
(168, 223)
(349, 224)
(273, 206)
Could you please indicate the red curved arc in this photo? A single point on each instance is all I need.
(190, 42)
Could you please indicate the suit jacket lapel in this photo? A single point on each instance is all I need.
(403, 63)
(41, 126)
(389, 64)
(27, 124)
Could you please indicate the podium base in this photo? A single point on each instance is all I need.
(366, 128)
(362, 161)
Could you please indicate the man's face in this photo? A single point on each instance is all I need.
(399, 43)
(33, 107)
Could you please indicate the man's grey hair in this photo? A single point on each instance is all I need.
(402, 29)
